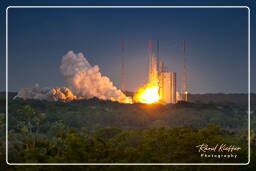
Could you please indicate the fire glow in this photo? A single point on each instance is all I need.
(148, 94)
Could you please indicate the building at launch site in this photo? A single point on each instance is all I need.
(167, 84)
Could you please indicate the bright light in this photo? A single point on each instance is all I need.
(148, 94)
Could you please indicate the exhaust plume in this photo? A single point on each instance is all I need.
(86, 81)
(49, 94)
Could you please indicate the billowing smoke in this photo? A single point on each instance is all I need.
(49, 94)
(84, 82)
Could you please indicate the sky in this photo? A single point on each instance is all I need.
(217, 45)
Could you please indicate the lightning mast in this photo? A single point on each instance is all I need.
(122, 77)
(157, 54)
(184, 91)
(150, 53)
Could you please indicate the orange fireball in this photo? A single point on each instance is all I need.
(148, 94)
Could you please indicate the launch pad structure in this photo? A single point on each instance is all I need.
(159, 75)
(167, 84)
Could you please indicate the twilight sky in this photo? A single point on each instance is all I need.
(217, 52)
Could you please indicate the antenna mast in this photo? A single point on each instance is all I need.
(150, 53)
(184, 91)
(122, 79)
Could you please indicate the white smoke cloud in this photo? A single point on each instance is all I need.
(49, 94)
(84, 82)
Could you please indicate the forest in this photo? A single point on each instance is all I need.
(97, 131)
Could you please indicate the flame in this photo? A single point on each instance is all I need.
(127, 100)
(148, 94)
